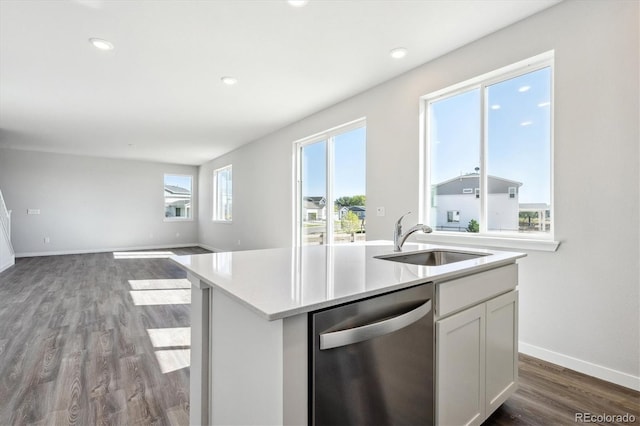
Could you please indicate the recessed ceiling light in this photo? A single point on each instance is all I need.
(230, 81)
(298, 3)
(101, 44)
(524, 88)
(495, 106)
(398, 52)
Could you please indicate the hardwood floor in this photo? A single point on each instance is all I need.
(101, 339)
(75, 348)
(552, 395)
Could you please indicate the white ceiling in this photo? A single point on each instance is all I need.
(158, 95)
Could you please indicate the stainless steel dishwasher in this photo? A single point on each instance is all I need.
(372, 361)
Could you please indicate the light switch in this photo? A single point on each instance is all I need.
(33, 211)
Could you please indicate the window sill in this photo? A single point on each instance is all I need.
(224, 222)
(166, 219)
(489, 241)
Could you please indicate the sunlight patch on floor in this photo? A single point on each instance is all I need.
(159, 284)
(161, 297)
(170, 337)
(173, 359)
(142, 254)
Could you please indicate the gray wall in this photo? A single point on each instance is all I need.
(579, 305)
(88, 204)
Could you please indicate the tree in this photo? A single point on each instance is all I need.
(348, 201)
(350, 222)
(473, 226)
(528, 216)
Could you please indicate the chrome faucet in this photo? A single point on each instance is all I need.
(399, 238)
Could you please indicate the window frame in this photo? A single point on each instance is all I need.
(485, 237)
(297, 174)
(189, 218)
(214, 206)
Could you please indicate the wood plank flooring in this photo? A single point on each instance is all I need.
(76, 349)
(552, 395)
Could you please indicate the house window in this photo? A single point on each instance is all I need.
(178, 197)
(453, 216)
(223, 194)
(494, 134)
(331, 186)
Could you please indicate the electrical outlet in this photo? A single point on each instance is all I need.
(47, 240)
(380, 211)
(177, 235)
(33, 211)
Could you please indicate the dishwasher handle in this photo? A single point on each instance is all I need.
(349, 336)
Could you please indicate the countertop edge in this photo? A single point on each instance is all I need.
(437, 279)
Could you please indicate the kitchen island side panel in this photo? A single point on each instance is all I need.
(246, 365)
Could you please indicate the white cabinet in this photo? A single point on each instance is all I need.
(476, 360)
(460, 370)
(501, 350)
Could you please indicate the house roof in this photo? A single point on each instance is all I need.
(456, 185)
(357, 208)
(315, 202)
(178, 190)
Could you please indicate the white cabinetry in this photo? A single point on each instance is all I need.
(460, 382)
(477, 352)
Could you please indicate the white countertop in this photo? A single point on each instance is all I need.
(282, 282)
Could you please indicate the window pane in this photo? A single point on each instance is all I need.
(349, 186)
(314, 193)
(177, 197)
(454, 139)
(223, 194)
(519, 153)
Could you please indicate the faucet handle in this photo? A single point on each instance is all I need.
(399, 222)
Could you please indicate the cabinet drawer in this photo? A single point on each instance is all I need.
(452, 296)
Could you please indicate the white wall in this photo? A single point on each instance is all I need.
(579, 305)
(88, 204)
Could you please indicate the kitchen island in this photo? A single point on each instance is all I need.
(250, 330)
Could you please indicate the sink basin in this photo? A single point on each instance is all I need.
(431, 257)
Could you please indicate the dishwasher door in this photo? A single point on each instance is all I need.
(373, 362)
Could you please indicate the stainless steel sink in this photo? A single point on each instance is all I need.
(431, 257)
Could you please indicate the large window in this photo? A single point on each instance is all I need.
(489, 154)
(178, 196)
(222, 194)
(331, 194)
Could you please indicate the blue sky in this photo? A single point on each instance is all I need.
(518, 130)
(176, 180)
(349, 166)
(518, 148)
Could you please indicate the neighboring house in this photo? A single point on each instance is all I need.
(359, 211)
(177, 201)
(314, 208)
(457, 202)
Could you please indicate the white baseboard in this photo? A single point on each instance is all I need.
(8, 264)
(581, 366)
(104, 250)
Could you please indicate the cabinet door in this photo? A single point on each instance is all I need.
(460, 368)
(502, 349)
